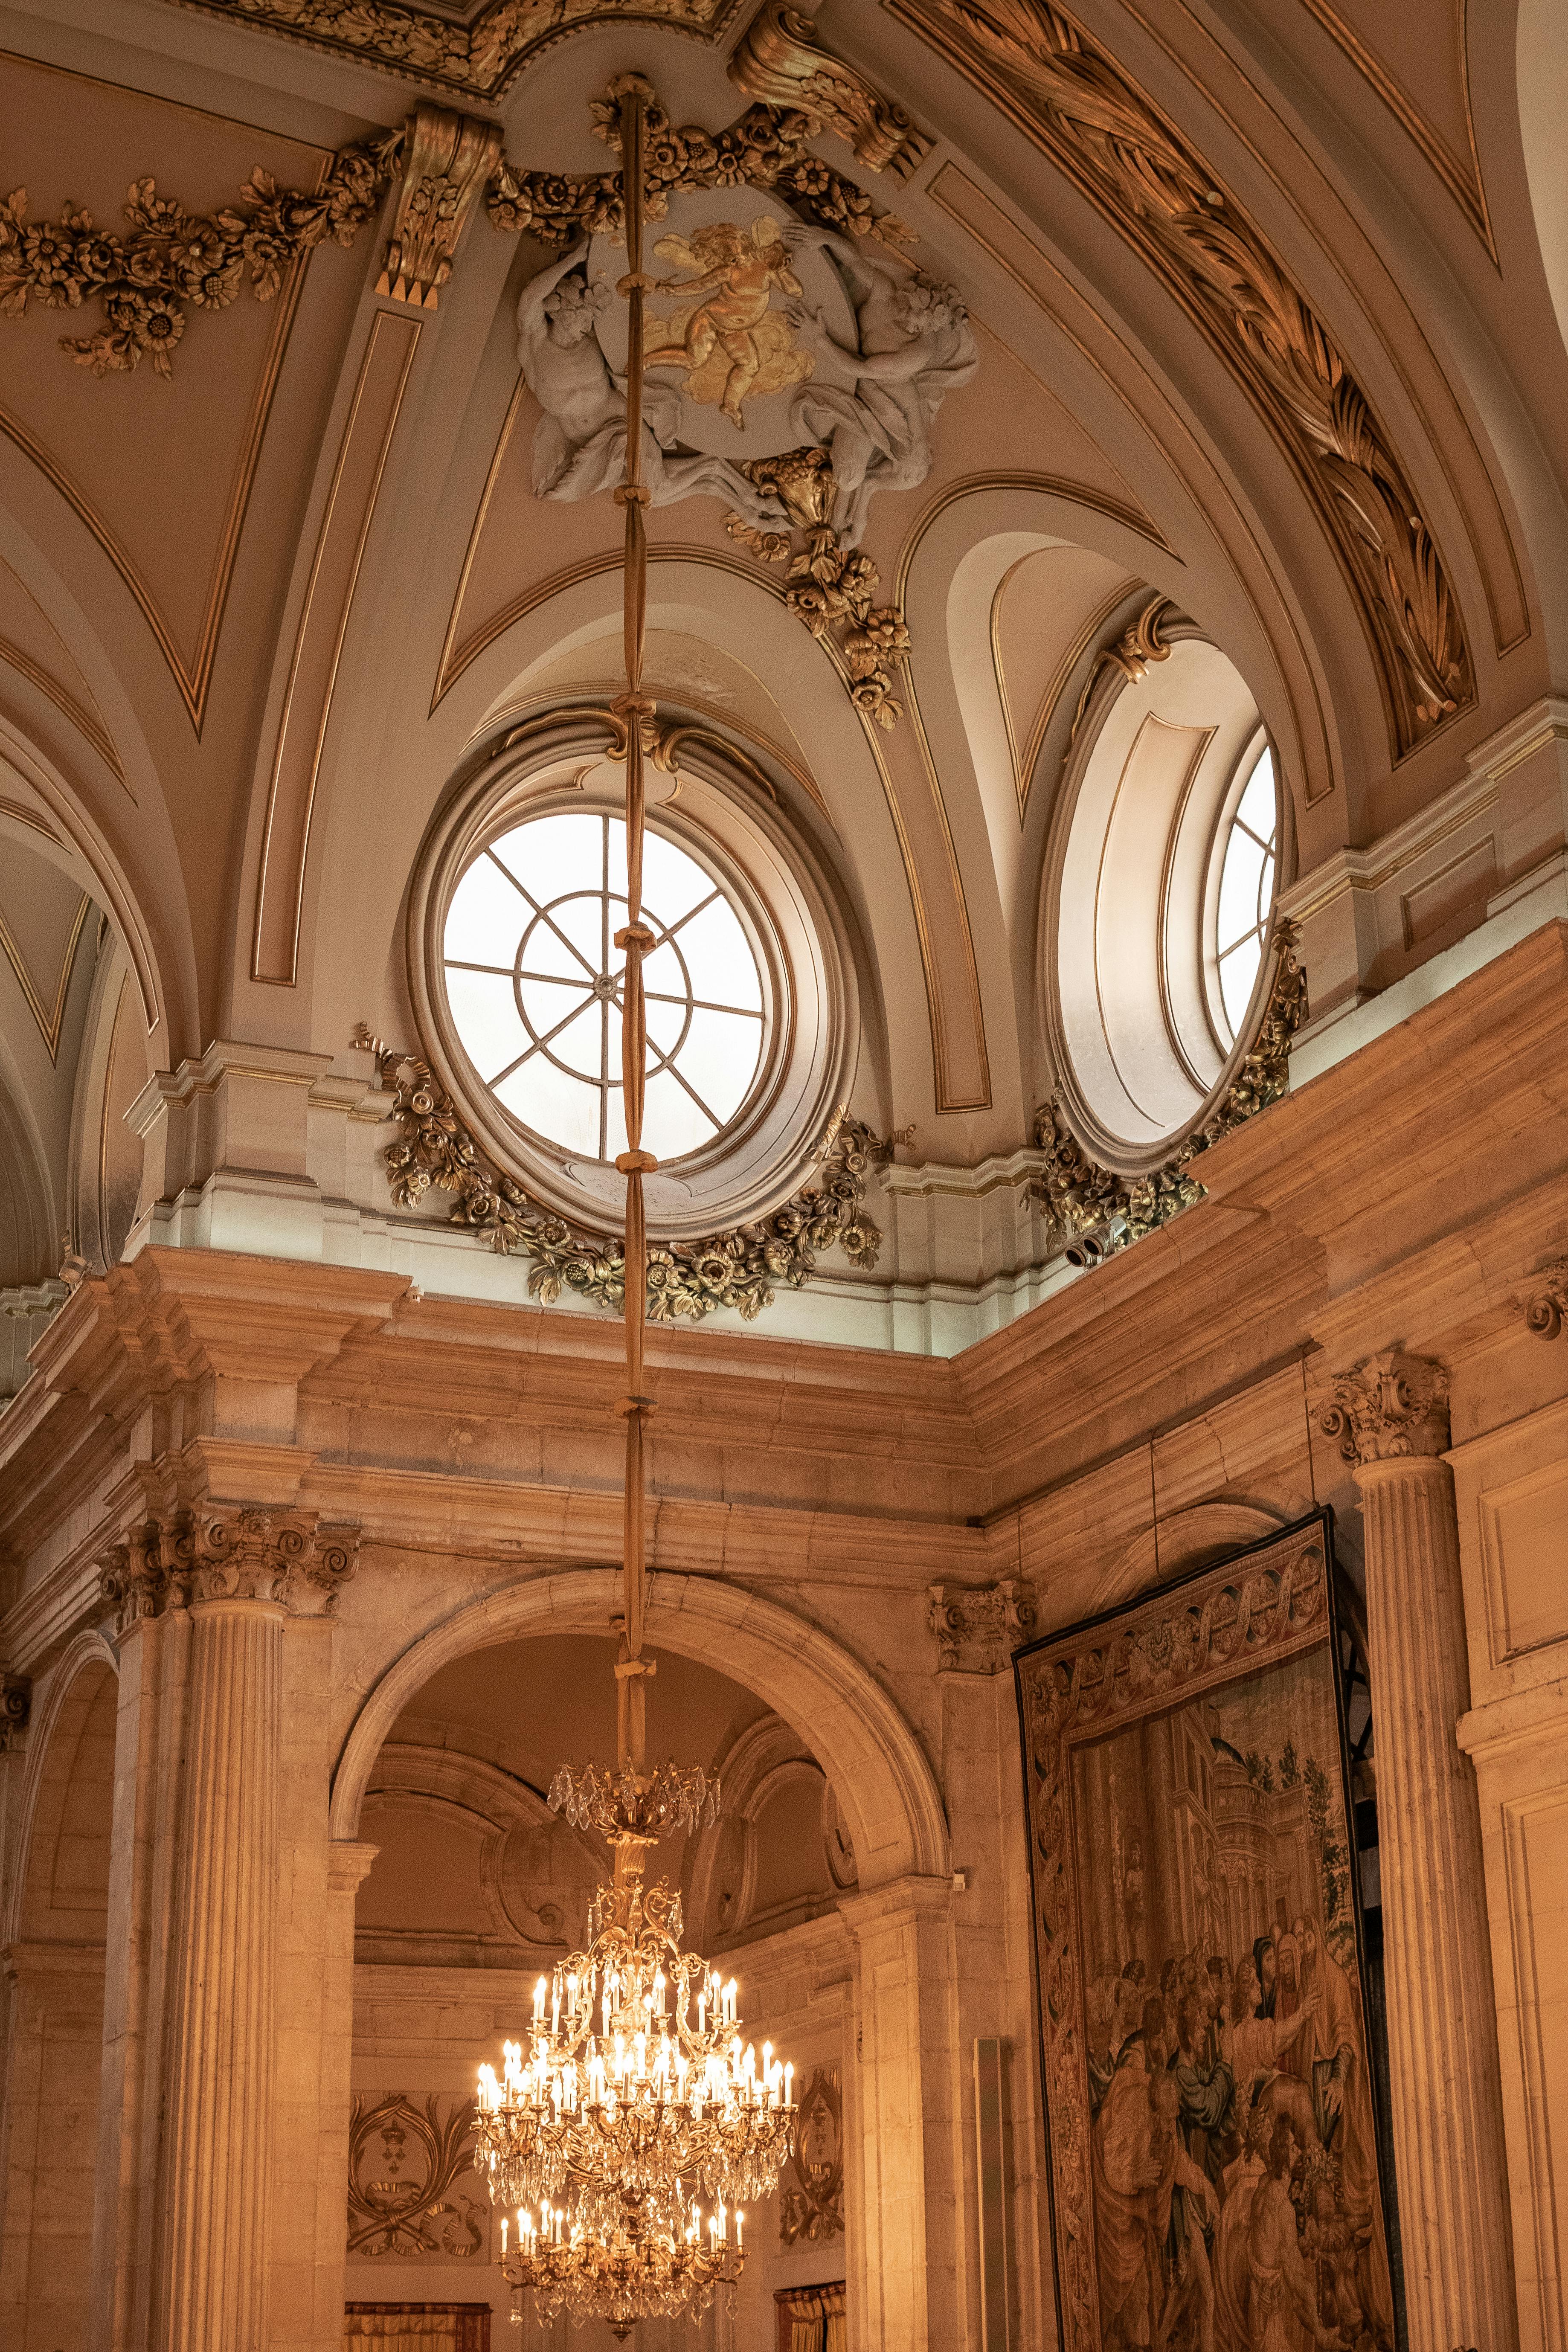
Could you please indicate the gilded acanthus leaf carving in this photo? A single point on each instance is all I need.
(742, 1270)
(1101, 1211)
(828, 586)
(447, 162)
(1072, 97)
(174, 261)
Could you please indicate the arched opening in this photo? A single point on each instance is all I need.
(56, 1935)
(477, 1889)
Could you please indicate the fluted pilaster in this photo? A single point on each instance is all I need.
(1392, 1417)
(218, 2149)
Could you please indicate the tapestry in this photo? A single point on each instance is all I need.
(1215, 2159)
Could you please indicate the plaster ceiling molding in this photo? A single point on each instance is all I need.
(161, 278)
(1426, 86)
(478, 49)
(35, 651)
(1049, 608)
(1071, 98)
(43, 915)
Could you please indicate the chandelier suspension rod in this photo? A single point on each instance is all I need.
(634, 707)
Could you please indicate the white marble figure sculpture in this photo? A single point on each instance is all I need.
(916, 345)
(579, 442)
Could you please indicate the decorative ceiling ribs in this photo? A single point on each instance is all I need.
(1071, 98)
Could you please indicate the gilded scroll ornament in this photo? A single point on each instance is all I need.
(406, 2169)
(1095, 1211)
(829, 587)
(1070, 96)
(779, 58)
(742, 1270)
(447, 162)
(1128, 658)
(174, 261)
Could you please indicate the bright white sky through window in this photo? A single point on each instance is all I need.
(534, 981)
(1247, 891)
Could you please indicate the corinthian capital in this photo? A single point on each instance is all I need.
(1390, 1408)
(254, 1553)
(139, 1578)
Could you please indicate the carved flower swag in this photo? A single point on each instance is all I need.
(686, 1280)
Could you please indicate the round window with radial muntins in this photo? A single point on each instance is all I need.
(534, 981)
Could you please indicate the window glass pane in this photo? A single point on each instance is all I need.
(672, 883)
(720, 1059)
(567, 1044)
(1236, 974)
(554, 853)
(487, 917)
(554, 1104)
(485, 1019)
(720, 959)
(673, 1124)
(1244, 862)
(1256, 808)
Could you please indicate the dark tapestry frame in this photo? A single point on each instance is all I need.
(1276, 1642)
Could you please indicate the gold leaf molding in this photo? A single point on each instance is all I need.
(1071, 98)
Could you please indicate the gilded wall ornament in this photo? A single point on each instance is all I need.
(174, 261)
(1128, 658)
(779, 58)
(829, 587)
(811, 2187)
(1071, 98)
(742, 1270)
(407, 2166)
(1391, 1408)
(447, 162)
(481, 58)
(1101, 1211)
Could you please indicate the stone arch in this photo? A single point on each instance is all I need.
(56, 1934)
(1186, 1541)
(866, 1749)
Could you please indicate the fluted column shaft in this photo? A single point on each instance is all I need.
(217, 2152)
(1443, 2065)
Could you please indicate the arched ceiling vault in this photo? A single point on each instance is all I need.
(1262, 327)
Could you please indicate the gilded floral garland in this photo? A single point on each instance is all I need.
(742, 1270)
(768, 147)
(175, 261)
(828, 587)
(1082, 1197)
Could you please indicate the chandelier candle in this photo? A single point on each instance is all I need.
(633, 2095)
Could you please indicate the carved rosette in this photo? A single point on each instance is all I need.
(978, 1627)
(1392, 1408)
(245, 1553)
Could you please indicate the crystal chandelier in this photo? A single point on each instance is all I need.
(632, 2095)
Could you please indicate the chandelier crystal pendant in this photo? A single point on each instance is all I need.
(632, 2095)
